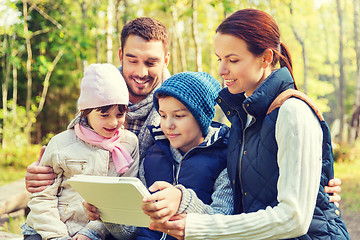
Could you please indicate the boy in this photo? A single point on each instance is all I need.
(189, 152)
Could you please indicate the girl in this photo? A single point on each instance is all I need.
(279, 156)
(97, 145)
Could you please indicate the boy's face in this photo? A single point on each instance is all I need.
(179, 125)
(143, 64)
(106, 124)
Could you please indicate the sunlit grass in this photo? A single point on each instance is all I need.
(10, 174)
(13, 226)
(349, 173)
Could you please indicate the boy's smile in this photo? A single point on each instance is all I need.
(179, 125)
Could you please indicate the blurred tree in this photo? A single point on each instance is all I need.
(355, 119)
(341, 70)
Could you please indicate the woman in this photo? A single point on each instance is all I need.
(275, 159)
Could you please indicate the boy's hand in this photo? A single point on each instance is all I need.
(162, 205)
(334, 188)
(91, 211)
(38, 177)
(80, 237)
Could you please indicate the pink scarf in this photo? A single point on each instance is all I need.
(121, 157)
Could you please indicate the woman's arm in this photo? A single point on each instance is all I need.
(299, 138)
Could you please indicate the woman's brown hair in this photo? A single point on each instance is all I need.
(260, 32)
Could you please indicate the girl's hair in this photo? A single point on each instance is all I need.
(260, 32)
(122, 109)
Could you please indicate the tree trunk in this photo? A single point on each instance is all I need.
(84, 27)
(97, 40)
(179, 39)
(303, 49)
(341, 70)
(46, 82)
(4, 89)
(28, 73)
(14, 101)
(109, 32)
(355, 119)
(174, 56)
(195, 34)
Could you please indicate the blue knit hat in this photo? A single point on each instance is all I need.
(197, 91)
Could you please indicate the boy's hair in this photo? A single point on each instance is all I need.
(147, 28)
(197, 91)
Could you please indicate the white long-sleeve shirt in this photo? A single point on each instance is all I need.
(299, 138)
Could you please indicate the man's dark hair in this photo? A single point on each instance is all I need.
(147, 28)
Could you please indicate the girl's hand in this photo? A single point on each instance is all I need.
(80, 237)
(334, 188)
(175, 227)
(162, 205)
(91, 211)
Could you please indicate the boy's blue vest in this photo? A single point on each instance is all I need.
(198, 170)
(258, 164)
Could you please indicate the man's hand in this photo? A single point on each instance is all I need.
(91, 211)
(164, 203)
(334, 188)
(80, 237)
(38, 177)
(175, 227)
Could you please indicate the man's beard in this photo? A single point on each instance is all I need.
(132, 92)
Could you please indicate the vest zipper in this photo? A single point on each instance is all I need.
(242, 153)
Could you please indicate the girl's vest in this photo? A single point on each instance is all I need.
(198, 170)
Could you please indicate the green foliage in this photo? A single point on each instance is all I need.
(10, 174)
(13, 132)
(19, 157)
(77, 28)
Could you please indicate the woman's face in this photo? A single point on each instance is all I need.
(241, 70)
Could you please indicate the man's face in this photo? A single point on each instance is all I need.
(143, 63)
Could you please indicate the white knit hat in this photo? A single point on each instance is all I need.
(102, 85)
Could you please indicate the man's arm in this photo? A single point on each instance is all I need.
(38, 177)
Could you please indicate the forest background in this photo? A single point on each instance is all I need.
(45, 45)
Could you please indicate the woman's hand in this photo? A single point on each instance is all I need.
(164, 203)
(80, 237)
(38, 177)
(175, 227)
(334, 188)
(91, 211)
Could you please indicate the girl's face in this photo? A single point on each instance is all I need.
(241, 70)
(179, 125)
(106, 124)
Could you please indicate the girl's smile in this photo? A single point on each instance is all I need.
(106, 124)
